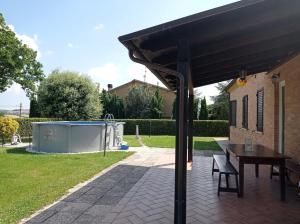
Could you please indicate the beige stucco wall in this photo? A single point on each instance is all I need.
(290, 73)
(167, 95)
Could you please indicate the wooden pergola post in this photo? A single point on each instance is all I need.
(183, 67)
(190, 127)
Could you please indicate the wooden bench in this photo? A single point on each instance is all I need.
(227, 169)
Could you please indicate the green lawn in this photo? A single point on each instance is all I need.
(131, 141)
(200, 143)
(30, 181)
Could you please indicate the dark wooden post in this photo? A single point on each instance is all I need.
(190, 128)
(183, 67)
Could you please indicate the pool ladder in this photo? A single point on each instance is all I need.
(110, 118)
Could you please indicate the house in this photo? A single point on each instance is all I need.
(167, 95)
(267, 109)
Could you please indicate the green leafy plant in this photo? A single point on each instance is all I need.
(8, 127)
(156, 104)
(17, 62)
(138, 102)
(70, 96)
(203, 110)
(112, 104)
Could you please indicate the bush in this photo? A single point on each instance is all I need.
(8, 127)
(146, 127)
(25, 129)
(69, 96)
(205, 128)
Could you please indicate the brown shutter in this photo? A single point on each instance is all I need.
(260, 110)
(232, 111)
(245, 112)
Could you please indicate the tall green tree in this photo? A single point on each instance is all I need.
(156, 104)
(203, 115)
(112, 104)
(196, 109)
(138, 102)
(219, 110)
(34, 108)
(70, 96)
(17, 62)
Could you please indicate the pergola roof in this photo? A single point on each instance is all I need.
(255, 35)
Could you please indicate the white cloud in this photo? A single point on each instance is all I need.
(137, 71)
(70, 45)
(208, 91)
(99, 27)
(15, 89)
(106, 73)
(31, 42)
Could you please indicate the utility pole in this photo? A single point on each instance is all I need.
(20, 112)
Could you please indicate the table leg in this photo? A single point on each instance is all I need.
(282, 180)
(241, 178)
(256, 170)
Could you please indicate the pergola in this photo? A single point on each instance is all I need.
(209, 47)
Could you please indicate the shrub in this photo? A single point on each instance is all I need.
(25, 129)
(146, 126)
(8, 127)
(70, 96)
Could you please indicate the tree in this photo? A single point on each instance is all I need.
(17, 62)
(112, 104)
(196, 109)
(219, 110)
(156, 104)
(203, 110)
(8, 127)
(138, 102)
(69, 95)
(34, 108)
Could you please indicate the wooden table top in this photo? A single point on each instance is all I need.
(259, 151)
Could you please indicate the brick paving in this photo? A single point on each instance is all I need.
(141, 190)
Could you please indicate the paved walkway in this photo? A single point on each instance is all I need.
(140, 189)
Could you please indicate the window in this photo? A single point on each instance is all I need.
(245, 112)
(232, 113)
(260, 110)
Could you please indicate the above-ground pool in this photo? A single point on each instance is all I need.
(75, 136)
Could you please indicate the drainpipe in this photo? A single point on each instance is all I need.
(180, 204)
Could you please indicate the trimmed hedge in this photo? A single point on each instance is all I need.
(25, 128)
(205, 128)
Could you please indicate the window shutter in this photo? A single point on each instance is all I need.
(245, 112)
(232, 111)
(260, 111)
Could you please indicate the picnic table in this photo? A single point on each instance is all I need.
(258, 155)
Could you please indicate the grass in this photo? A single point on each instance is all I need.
(131, 140)
(30, 181)
(200, 143)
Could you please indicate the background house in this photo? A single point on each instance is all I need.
(267, 108)
(167, 95)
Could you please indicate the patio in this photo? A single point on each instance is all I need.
(140, 189)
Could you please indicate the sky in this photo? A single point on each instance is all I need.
(82, 36)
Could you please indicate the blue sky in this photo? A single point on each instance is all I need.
(81, 35)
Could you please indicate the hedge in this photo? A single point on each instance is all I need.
(25, 128)
(205, 128)
(214, 128)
